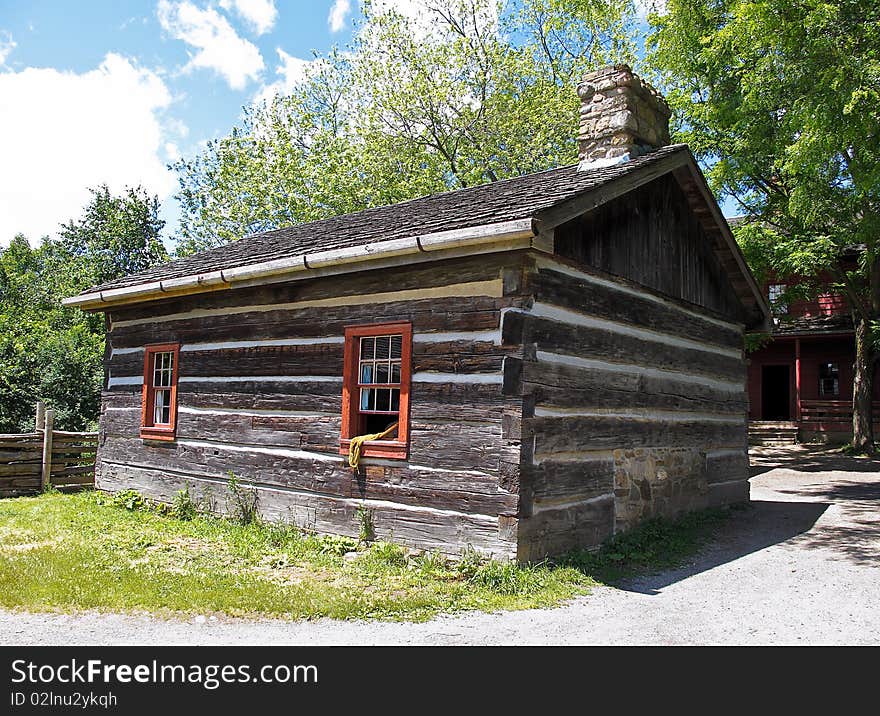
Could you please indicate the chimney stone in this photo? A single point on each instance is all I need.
(621, 117)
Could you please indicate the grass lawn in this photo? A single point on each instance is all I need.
(90, 551)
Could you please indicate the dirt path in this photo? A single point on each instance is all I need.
(801, 567)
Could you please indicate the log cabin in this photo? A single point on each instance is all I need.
(539, 362)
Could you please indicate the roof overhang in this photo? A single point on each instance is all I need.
(487, 238)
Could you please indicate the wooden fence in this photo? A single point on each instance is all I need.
(30, 462)
(832, 411)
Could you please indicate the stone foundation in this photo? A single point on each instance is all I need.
(657, 482)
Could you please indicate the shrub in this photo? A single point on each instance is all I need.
(131, 500)
(183, 507)
(388, 553)
(241, 502)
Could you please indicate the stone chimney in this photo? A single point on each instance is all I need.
(622, 117)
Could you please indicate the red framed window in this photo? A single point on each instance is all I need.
(376, 387)
(159, 404)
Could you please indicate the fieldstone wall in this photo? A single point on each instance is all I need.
(621, 117)
(655, 482)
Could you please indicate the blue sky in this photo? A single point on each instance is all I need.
(111, 91)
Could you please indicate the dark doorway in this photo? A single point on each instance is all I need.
(775, 392)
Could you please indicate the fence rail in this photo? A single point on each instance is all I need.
(832, 411)
(31, 462)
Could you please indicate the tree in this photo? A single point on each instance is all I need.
(475, 91)
(54, 353)
(116, 235)
(782, 99)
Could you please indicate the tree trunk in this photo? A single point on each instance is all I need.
(863, 375)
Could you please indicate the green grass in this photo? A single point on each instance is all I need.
(89, 551)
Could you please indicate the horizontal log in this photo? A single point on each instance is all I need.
(70, 470)
(20, 437)
(327, 359)
(68, 435)
(22, 445)
(407, 483)
(582, 433)
(20, 468)
(727, 466)
(564, 386)
(451, 271)
(25, 455)
(449, 315)
(556, 531)
(567, 481)
(603, 301)
(312, 397)
(16, 481)
(427, 528)
(430, 402)
(593, 343)
(58, 481)
(61, 450)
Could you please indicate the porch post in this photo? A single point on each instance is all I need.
(797, 378)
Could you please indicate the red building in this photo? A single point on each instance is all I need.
(801, 383)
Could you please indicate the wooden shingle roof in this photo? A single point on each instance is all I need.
(518, 198)
(503, 211)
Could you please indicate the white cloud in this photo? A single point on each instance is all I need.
(219, 47)
(172, 151)
(260, 14)
(62, 132)
(7, 45)
(291, 71)
(338, 13)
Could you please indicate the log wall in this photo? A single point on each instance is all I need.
(259, 395)
(556, 399)
(634, 407)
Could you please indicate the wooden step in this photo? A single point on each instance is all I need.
(773, 433)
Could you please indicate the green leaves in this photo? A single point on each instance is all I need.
(53, 353)
(483, 91)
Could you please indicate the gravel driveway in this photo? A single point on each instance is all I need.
(802, 566)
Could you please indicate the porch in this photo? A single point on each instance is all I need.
(800, 390)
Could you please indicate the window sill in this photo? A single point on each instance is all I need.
(157, 434)
(378, 448)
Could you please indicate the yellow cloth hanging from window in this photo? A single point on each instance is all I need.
(356, 445)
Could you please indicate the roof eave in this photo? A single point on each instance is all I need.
(485, 238)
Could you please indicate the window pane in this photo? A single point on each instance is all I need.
(163, 367)
(828, 370)
(366, 372)
(365, 398)
(395, 399)
(162, 407)
(396, 344)
(368, 346)
(382, 372)
(382, 346)
(395, 373)
(383, 401)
